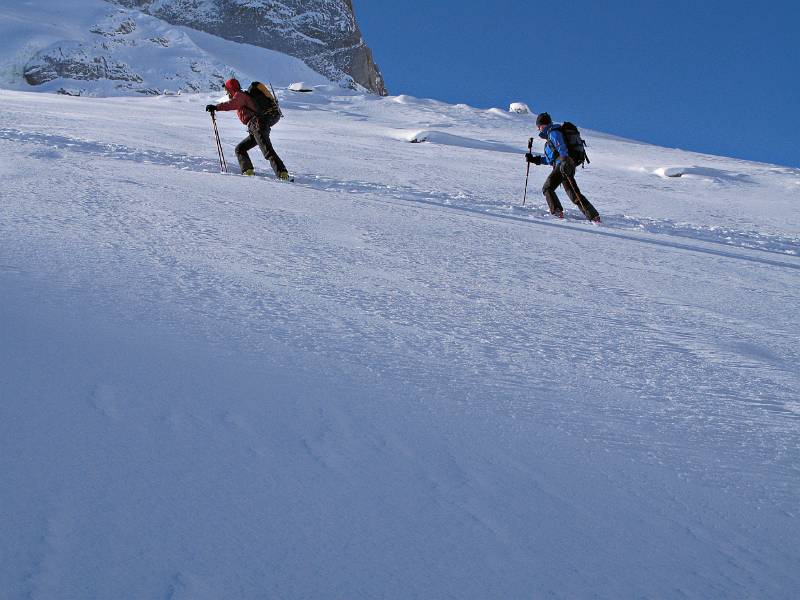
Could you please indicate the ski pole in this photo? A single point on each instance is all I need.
(527, 172)
(222, 163)
(223, 166)
(278, 104)
(216, 139)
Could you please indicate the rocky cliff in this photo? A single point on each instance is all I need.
(322, 33)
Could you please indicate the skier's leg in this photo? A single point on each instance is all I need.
(242, 148)
(587, 208)
(549, 190)
(574, 192)
(261, 135)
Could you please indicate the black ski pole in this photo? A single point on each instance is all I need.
(216, 140)
(278, 104)
(223, 166)
(223, 162)
(527, 172)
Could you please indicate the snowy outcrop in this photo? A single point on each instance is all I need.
(322, 33)
(123, 47)
(73, 60)
(125, 52)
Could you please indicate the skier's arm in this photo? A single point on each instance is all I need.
(557, 139)
(234, 103)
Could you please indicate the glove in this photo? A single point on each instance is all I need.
(211, 108)
(537, 160)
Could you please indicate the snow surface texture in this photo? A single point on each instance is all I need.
(388, 380)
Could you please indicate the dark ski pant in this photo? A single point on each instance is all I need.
(564, 174)
(259, 136)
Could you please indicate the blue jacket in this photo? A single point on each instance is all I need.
(555, 147)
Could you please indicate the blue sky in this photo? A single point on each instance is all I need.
(721, 77)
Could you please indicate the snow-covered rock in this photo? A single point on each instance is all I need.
(300, 86)
(323, 33)
(128, 52)
(94, 47)
(519, 108)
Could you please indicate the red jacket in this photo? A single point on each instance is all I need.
(243, 104)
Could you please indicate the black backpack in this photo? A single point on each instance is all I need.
(576, 146)
(265, 101)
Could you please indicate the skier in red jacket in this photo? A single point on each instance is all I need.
(258, 127)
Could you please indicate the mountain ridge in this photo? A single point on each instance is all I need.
(132, 47)
(322, 33)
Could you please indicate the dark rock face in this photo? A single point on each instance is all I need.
(72, 61)
(322, 33)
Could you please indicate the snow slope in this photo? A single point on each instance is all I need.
(388, 380)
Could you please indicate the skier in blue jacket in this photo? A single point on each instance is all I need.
(556, 154)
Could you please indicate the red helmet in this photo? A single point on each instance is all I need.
(232, 85)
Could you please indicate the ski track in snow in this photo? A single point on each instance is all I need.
(194, 280)
(479, 315)
(749, 240)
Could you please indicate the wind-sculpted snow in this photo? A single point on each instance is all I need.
(715, 175)
(387, 379)
(448, 139)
